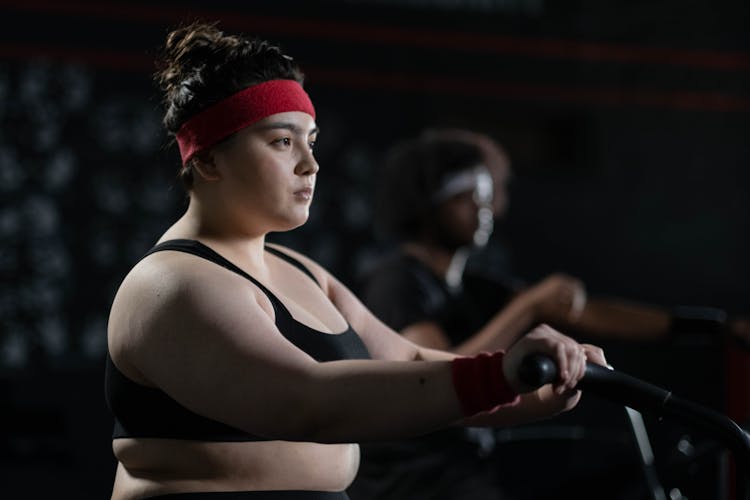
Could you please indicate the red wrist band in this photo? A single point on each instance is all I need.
(239, 111)
(480, 383)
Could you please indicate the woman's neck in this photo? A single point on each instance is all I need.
(220, 232)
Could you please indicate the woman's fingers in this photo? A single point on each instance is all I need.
(570, 356)
(576, 359)
(563, 367)
(595, 354)
(565, 351)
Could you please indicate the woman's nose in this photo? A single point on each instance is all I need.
(307, 165)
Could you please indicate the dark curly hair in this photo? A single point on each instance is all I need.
(200, 65)
(412, 172)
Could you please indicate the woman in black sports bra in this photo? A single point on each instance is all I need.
(238, 369)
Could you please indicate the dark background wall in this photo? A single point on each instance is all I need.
(627, 123)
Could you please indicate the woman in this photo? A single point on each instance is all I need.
(238, 369)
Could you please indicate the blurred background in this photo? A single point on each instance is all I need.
(628, 125)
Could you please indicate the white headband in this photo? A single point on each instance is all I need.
(475, 179)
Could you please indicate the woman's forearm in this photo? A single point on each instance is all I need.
(346, 401)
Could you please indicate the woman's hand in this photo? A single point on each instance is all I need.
(569, 355)
(548, 400)
(570, 358)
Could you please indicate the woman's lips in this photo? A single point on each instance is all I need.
(304, 193)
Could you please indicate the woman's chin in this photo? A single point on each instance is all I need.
(289, 223)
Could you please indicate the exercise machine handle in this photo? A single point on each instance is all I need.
(537, 370)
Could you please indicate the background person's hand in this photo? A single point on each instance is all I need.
(559, 296)
(739, 329)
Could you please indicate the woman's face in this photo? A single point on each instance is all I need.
(267, 172)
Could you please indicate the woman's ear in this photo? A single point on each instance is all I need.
(204, 166)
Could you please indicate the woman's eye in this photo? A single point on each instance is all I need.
(311, 144)
(284, 141)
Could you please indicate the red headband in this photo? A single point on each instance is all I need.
(238, 111)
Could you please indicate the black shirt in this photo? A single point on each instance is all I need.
(450, 464)
(402, 291)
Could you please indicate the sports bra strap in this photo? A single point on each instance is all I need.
(197, 248)
(299, 265)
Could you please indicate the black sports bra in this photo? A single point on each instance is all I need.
(142, 411)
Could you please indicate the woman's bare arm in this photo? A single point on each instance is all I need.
(535, 405)
(207, 338)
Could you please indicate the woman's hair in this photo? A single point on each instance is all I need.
(200, 65)
(411, 174)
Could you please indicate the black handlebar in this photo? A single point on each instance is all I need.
(537, 370)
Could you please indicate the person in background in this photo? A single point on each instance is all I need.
(238, 369)
(438, 198)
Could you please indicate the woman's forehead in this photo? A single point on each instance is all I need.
(295, 121)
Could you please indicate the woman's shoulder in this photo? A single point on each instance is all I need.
(165, 291)
(169, 274)
(152, 283)
(143, 303)
(167, 281)
(165, 271)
